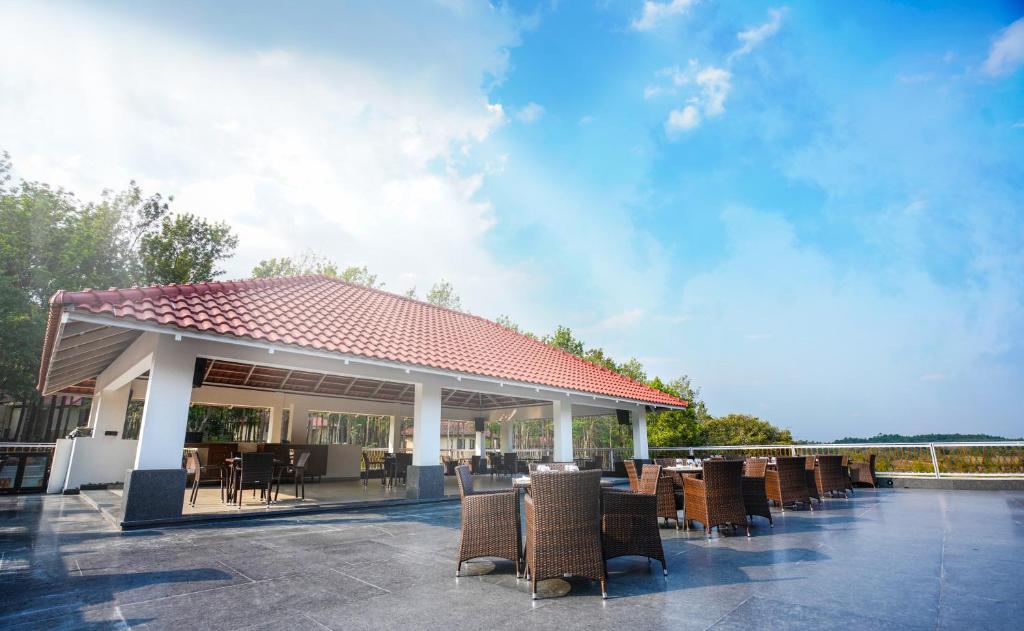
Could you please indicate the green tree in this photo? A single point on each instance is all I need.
(50, 240)
(313, 263)
(744, 429)
(678, 428)
(565, 340)
(443, 294)
(632, 369)
(185, 249)
(507, 322)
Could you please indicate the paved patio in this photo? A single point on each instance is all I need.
(907, 559)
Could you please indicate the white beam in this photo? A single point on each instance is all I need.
(165, 414)
(135, 360)
(426, 418)
(562, 421)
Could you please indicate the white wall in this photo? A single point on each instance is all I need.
(59, 466)
(98, 460)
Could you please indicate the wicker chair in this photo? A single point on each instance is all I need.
(202, 473)
(256, 472)
(828, 476)
(490, 522)
(864, 472)
(787, 484)
(563, 527)
(509, 463)
(297, 472)
(847, 481)
(634, 479)
(629, 526)
(372, 461)
(755, 496)
(718, 498)
(810, 478)
(670, 502)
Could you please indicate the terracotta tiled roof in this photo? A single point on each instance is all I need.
(327, 314)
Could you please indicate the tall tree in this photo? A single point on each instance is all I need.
(678, 428)
(185, 249)
(314, 263)
(744, 429)
(565, 340)
(51, 240)
(443, 294)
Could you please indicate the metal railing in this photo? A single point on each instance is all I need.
(899, 460)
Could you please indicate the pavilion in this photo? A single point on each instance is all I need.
(299, 344)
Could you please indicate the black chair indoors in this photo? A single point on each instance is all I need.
(255, 472)
(202, 473)
(297, 472)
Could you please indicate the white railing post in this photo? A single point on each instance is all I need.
(935, 460)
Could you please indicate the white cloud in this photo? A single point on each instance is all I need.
(715, 84)
(586, 119)
(654, 13)
(364, 155)
(683, 119)
(1007, 51)
(752, 37)
(530, 113)
(709, 87)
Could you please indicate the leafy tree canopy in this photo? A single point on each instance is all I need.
(744, 429)
(51, 240)
(314, 263)
(443, 294)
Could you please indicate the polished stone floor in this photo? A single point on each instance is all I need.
(904, 559)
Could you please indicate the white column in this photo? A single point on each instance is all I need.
(426, 419)
(299, 423)
(395, 434)
(506, 436)
(640, 434)
(562, 420)
(165, 414)
(109, 410)
(274, 431)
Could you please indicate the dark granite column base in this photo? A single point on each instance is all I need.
(152, 494)
(424, 481)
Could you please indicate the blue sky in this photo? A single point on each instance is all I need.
(814, 210)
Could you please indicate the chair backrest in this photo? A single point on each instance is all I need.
(846, 460)
(755, 467)
(545, 459)
(567, 502)
(302, 459)
(809, 463)
(649, 479)
(257, 467)
(465, 477)
(787, 466)
(830, 469)
(192, 463)
(723, 478)
(634, 482)
(871, 462)
(552, 466)
(509, 459)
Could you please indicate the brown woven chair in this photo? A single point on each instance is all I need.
(810, 478)
(828, 475)
(297, 472)
(490, 522)
(755, 496)
(787, 483)
(256, 472)
(563, 527)
(847, 481)
(864, 472)
(718, 498)
(202, 473)
(634, 479)
(372, 461)
(669, 501)
(629, 526)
